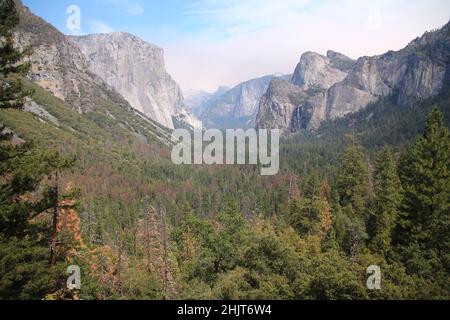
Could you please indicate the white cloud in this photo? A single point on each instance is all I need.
(246, 39)
(100, 27)
(237, 16)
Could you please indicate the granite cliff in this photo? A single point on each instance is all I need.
(329, 87)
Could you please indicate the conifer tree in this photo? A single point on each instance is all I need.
(23, 195)
(12, 92)
(326, 215)
(387, 200)
(352, 188)
(153, 236)
(425, 176)
(352, 182)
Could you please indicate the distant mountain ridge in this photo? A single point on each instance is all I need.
(235, 107)
(330, 87)
(197, 100)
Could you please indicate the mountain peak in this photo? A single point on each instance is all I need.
(316, 71)
(118, 37)
(136, 70)
(340, 61)
(336, 85)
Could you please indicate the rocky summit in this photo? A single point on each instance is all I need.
(236, 107)
(136, 70)
(329, 87)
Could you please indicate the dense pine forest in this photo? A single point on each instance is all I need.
(372, 188)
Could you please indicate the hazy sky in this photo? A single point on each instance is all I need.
(208, 43)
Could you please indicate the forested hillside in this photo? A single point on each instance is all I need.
(98, 190)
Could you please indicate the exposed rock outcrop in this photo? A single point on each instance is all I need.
(236, 107)
(32, 107)
(334, 86)
(136, 70)
(113, 68)
(317, 72)
(58, 65)
(279, 106)
(8, 134)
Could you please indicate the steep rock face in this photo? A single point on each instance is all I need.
(340, 61)
(237, 107)
(58, 65)
(280, 107)
(413, 73)
(316, 72)
(303, 103)
(336, 85)
(136, 70)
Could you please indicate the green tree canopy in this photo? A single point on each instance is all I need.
(425, 215)
(387, 200)
(12, 92)
(352, 182)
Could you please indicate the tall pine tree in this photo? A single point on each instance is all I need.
(353, 179)
(425, 216)
(387, 200)
(12, 92)
(24, 236)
